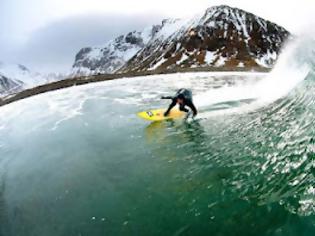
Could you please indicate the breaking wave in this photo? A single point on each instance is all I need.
(292, 67)
(276, 133)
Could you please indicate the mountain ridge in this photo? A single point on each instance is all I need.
(222, 36)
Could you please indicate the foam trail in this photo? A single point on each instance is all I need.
(286, 75)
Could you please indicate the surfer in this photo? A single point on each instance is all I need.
(183, 98)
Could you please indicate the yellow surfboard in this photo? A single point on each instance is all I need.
(158, 115)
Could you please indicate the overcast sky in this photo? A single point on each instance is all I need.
(46, 34)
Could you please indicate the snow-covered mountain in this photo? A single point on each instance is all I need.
(114, 54)
(16, 77)
(221, 37)
(9, 85)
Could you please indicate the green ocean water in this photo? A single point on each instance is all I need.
(79, 161)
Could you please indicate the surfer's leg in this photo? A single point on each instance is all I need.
(183, 108)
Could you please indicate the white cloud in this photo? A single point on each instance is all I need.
(20, 20)
(29, 15)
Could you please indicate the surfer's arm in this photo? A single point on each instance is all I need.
(192, 107)
(170, 108)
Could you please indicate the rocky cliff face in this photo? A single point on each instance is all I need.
(221, 37)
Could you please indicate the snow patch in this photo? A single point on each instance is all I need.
(267, 59)
(210, 57)
(170, 27)
(184, 58)
(220, 62)
(241, 64)
(159, 63)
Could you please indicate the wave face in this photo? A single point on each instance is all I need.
(88, 166)
(279, 137)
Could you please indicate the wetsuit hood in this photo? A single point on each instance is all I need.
(180, 96)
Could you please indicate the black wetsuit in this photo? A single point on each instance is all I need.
(186, 95)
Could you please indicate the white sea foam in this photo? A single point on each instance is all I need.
(287, 74)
